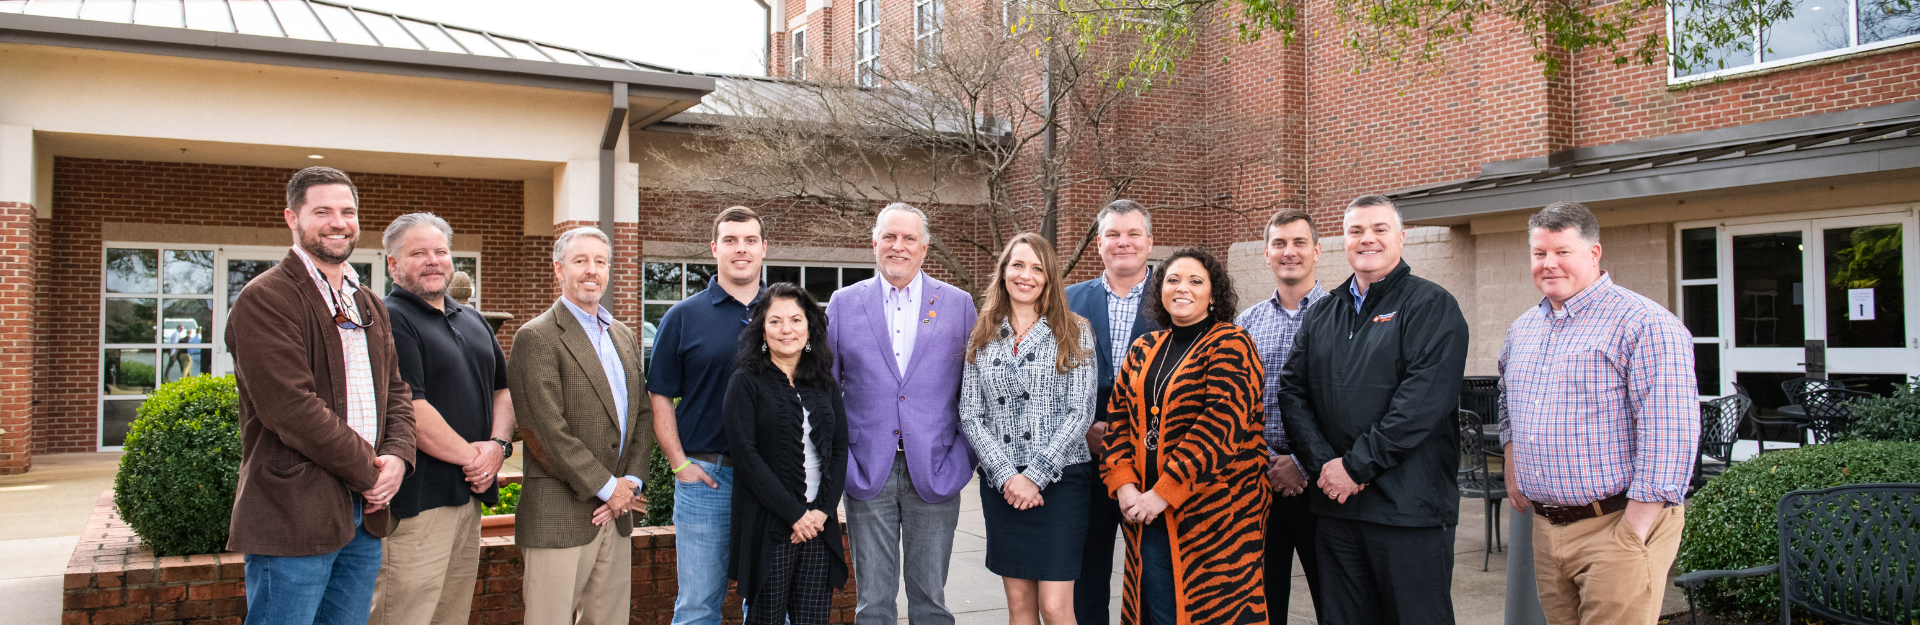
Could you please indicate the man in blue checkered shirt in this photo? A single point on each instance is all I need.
(1600, 422)
(1292, 250)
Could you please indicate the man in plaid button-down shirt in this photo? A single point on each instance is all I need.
(1599, 420)
(1292, 250)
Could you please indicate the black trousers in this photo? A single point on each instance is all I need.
(1373, 574)
(1094, 590)
(1291, 527)
(795, 590)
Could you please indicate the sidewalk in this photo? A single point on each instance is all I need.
(41, 516)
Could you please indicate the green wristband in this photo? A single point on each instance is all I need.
(683, 465)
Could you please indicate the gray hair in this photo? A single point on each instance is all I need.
(925, 235)
(565, 240)
(1123, 207)
(1366, 201)
(405, 223)
(1559, 216)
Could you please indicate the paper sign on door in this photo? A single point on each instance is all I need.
(1860, 304)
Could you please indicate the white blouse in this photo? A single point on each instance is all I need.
(812, 463)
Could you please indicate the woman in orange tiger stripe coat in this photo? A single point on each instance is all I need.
(1185, 458)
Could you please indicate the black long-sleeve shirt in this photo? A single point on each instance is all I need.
(1378, 388)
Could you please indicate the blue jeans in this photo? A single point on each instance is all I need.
(1156, 574)
(701, 516)
(334, 587)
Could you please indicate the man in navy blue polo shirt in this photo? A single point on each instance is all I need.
(693, 361)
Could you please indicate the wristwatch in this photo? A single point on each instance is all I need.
(506, 448)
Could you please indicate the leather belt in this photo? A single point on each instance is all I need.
(719, 459)
(1562, 515)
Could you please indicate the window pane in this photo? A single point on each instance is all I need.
(1881, 20)
(1702, 305)
(783, 273)
(1865, 295)
(129, 320)
(850, 275)
(650, 315)
(662, 280)
(240, 272)
(186, 321)
(1706, 368)
(127, 372)
(132, 271)
(1699, 254)
(698, 276)
(1768, 291)
(363, 273)
(116, 418)
(1738, 53)
(821, 282)
(189, 271)
(180, 363)
(1816, 26)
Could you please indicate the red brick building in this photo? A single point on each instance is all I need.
(142, 156)
(1768, 204)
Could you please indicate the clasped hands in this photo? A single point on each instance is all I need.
(1335, 482)
(809, 526)
(626, 498)
(1022, 493)
(391, 469)
(1137, 507)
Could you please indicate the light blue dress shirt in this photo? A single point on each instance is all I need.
(599, 327)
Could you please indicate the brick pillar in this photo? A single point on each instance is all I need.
(1523, 113)
(18, 233)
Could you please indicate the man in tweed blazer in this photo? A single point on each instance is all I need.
(577, 391)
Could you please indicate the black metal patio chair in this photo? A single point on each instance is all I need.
(1476, 481)
(1828, 413)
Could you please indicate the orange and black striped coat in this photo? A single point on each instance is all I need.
(1212, 473)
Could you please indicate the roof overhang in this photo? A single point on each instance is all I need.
(1872, 140)
(669, 92)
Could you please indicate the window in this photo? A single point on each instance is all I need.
(926, 32)
(666, 282)
(1012, 12)
(163, 311)
(1818, 29)
(799, 71)
(866, 44)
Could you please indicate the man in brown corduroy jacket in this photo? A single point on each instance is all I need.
(325, 421)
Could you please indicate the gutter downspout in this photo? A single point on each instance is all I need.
(768, 39)
(609, 141)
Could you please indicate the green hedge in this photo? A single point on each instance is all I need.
(1892, 418)
(176, 481)
(659, 491)
(1731, 521)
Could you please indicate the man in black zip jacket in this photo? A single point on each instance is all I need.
(1368, 398)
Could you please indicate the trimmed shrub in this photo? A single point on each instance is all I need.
(176, 481)
(659, 491)
(509, 501)
(1892, 418)
(1731, 522)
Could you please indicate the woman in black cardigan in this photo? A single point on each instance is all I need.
(788, 433)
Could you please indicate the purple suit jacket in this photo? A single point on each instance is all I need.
(922, 403)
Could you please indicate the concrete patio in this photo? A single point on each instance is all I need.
(42, 513)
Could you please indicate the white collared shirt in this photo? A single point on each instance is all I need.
(362, 411)
(902, 308)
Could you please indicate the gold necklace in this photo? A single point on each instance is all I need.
(1153, 428)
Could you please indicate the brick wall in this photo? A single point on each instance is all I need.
(112, 579)
(516, 276)
(19, 238)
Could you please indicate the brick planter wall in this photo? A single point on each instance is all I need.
(113, 579)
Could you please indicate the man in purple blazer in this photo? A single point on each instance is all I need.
(897, 339)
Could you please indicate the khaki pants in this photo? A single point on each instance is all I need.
(427, 568)
(1596, 571)
(595, 580)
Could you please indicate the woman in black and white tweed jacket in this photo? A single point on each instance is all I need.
(1026, 397)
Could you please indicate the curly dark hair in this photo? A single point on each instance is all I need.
(1225, 302)
(816, 365)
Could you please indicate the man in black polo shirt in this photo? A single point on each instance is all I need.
(693, 361)
(447, 353)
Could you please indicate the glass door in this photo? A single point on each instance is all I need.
(1862, 314)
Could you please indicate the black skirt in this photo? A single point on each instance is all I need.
(1042, 543)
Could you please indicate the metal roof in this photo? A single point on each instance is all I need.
(1867, 140)
(322, 33)
(318, 20)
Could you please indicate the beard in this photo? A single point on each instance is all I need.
(418, 287)
(317, 247)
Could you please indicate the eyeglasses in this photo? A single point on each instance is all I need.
(340, 317)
